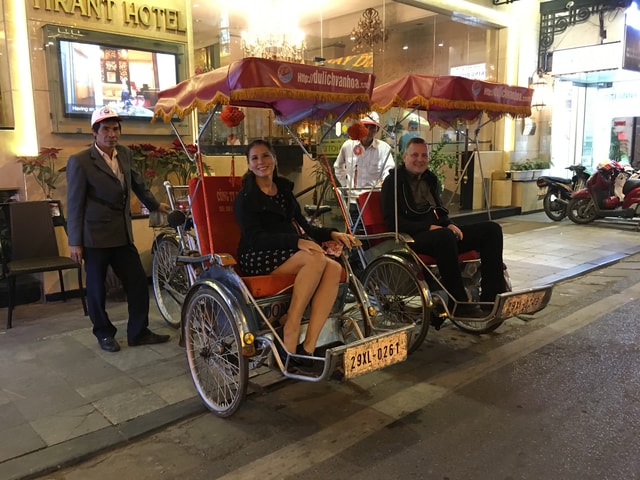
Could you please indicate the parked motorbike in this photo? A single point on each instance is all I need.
(555, 192)
(610, 192)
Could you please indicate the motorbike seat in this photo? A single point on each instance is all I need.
(566, 181)
(630, 184)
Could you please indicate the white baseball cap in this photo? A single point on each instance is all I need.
(372, 118)
(102, 113)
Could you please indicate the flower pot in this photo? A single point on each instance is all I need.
(521, 175)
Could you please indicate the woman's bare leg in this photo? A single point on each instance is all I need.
(322, 302)
(308, 269)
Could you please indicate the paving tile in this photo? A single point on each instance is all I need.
(124, 406)
(42, 401)
(175, 390)
(161, 370)
(69, 424)
(19, 440)
(90, 371)
(117, 384)
(10, 416)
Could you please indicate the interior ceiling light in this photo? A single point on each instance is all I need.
(273, 32)
(368, 32)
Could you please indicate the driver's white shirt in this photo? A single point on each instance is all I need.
(367, 169)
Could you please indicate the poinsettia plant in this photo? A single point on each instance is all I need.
(162, 163)
(43, 169)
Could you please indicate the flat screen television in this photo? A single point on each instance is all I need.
(88, 70)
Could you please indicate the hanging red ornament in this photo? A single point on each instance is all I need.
(231, 116)
(357, 131)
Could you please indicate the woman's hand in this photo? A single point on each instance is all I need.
(309, 246)
(345, 239)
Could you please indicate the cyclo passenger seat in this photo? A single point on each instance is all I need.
(218, 232)
(370, 207)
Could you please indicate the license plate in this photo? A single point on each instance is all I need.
(542, 191)
(375, 354)
(525, 303)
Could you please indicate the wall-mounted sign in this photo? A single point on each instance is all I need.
(476, 72)
(606, 56)
(631, 58)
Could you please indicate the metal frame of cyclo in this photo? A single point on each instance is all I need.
(243, 288)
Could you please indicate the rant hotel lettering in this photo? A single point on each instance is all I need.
(132, 13)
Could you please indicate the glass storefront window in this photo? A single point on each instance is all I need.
(6, 108)
(417, 41)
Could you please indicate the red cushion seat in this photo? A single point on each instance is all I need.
(373, 221)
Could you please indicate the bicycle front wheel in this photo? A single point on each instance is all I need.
(170, 281)
(399, 298)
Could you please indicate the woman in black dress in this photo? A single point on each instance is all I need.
(266, 211)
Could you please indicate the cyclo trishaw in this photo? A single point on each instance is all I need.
(405, 286)
(229, 322)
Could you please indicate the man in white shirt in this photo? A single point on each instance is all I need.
(363, 164)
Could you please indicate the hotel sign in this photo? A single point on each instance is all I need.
(132, 13)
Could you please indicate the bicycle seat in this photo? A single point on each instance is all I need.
(315, 210)
(176, 218)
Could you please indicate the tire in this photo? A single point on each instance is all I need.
(170, 281)
(555, 209)
(581, 210)
(398, 296)
(218, 369)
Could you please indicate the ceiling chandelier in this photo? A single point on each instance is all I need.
(272, 31)
(286, 46)
(368, 32)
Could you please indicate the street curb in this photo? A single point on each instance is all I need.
(587, 267)
(74, 451)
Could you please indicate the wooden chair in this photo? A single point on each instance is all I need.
(34, 249)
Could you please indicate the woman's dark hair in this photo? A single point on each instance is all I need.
(264, 143)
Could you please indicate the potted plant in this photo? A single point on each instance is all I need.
(43, 169)
(146, 161)
(522, 171)
(438, 160)
(539, 166)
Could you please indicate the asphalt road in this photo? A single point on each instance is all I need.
(550, 396)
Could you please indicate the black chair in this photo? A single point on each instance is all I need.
(34, 249)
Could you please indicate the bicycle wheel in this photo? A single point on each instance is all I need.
(170, 281)
(218, 369)
(354, 317)
(399, 298)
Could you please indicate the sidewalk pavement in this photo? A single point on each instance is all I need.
(62, 399)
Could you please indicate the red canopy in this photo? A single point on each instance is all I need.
(450, 99)
(294, 91)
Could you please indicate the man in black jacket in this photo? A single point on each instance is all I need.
(422, 215)
(99, 184)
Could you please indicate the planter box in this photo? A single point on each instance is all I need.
(521, 175)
